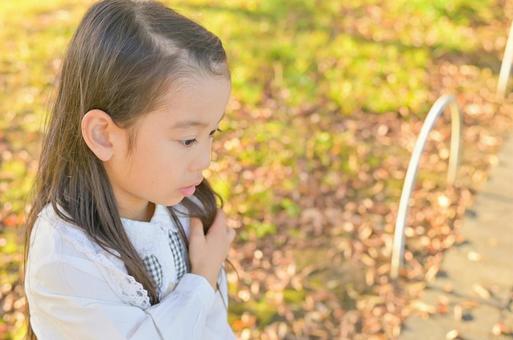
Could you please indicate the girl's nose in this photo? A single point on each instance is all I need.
(204, 158)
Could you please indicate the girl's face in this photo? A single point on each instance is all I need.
(172, 147)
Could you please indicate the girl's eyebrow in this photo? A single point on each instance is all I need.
(192, 123)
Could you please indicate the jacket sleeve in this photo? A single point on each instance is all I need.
(69, 299)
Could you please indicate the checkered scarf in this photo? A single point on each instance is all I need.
(176, 239)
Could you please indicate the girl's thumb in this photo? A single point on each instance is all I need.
(196, 228)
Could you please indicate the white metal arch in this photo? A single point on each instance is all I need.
(507, 61)
(456, 121)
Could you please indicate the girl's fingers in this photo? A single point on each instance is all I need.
(220, 216)
(196, 227)
(219, 221)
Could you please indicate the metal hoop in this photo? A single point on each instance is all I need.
(506, 66)
(456, 120)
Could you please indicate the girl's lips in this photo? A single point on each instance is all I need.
(188, 190)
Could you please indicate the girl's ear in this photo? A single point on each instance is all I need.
(99, 133)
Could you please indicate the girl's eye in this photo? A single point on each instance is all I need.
(216, 130)
(189, 142)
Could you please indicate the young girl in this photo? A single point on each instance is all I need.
(124, 237)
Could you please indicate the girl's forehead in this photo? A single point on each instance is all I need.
(194, 102)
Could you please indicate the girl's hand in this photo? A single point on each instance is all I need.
(208, 252)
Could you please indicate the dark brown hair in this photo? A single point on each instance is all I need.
(121, 58)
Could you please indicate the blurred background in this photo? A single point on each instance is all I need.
(328, 100)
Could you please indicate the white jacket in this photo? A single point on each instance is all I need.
(76, 290)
